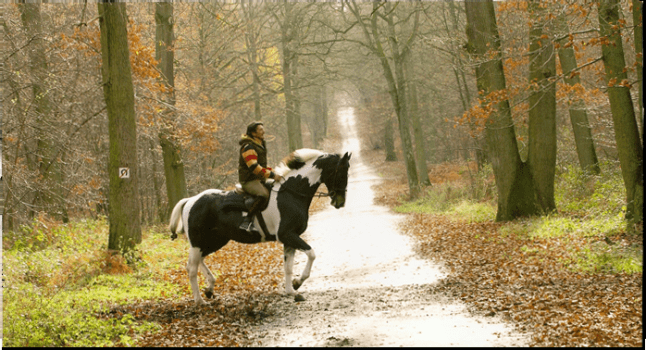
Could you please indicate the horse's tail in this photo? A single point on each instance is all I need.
(176, 226)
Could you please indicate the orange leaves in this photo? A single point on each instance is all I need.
(478, 115)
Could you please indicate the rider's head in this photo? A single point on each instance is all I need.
(253, 128)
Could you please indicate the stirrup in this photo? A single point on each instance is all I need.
(247, 226)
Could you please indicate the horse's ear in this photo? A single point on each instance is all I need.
(346, 156)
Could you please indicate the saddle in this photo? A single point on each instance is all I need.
(240, 200)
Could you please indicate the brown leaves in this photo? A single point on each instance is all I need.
(525, 282)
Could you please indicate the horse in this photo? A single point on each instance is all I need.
(210, 220)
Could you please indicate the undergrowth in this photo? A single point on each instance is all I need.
(590, 218)
(59, 279)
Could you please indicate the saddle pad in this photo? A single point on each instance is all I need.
(233, 201)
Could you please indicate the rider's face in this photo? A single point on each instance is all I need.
(259, 133)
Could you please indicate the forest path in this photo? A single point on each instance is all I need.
(367, 287)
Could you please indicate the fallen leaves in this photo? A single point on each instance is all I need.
(530, 286)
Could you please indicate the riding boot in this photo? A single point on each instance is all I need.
(247, 222)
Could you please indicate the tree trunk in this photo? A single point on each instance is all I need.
(578, 115)
(639, 56)
(293, 119)
(513, 178)
(397, 90)
(171, 153)
(420, 147)
(49, 195)
(542, 110)
(389, 140)
(124, 216)
(623, 114)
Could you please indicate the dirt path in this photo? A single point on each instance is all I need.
(367, 288)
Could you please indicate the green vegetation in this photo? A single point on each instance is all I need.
(59, 280)
(591, 212)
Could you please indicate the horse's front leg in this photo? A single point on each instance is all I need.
(209, 277)
(306, 271)
(289, 268)
(292, 242)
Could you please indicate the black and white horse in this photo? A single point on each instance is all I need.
(209, 225)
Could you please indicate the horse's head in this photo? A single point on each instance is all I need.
(336, 180)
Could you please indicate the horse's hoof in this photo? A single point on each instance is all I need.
(296, 284)
(298, 298)
(208, 294)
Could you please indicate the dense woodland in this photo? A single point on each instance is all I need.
(526, 87)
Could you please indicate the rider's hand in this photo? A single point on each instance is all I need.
(278, 178)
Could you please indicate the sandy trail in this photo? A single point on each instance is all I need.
(367, 287)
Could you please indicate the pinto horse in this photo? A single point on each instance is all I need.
(210, 221)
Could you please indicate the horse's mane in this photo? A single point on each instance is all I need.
(296, 160)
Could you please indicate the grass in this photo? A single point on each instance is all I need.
(589, 223)
(59, 280)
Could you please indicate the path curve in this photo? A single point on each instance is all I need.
(367, 287)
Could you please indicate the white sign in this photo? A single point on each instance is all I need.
(124, 173)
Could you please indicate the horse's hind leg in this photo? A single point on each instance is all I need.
(195, 259)
(306, 271)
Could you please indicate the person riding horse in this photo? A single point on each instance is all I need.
(253, 170)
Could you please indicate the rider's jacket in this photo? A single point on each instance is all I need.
(252, 164)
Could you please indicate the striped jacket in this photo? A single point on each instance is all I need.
(253, 160)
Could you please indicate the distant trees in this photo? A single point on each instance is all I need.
(202, 71)
(399, 46)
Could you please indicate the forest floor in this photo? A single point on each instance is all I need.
(387, 279)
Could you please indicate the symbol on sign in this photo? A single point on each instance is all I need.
(124, 173)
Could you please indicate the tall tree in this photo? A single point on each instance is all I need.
(164, 53)
(418, 133)
(399, 48)
(577, 109)
(639, 54)
(542, 107)
(513, 178)
(123, 206)
(289, 60)
(46, 151)
(623, 113)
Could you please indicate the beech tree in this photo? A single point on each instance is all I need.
(399, 44)
(513, 177)
(621, 104)
(123, 206)
(542, 107)
(173, 165)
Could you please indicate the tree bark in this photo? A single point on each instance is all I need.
(578, 115)
(542, 109)
(50, 199)
(288, 56)
(123, 209)
(639, 56)
(623, 114)
(171, 152)
(389, 140)
(420, 147)
(513, 178)
(397, 90)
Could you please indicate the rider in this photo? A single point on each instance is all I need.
(253, 170)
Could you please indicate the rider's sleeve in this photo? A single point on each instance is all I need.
(251, 159)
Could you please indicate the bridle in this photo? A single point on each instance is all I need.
(331, 193)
